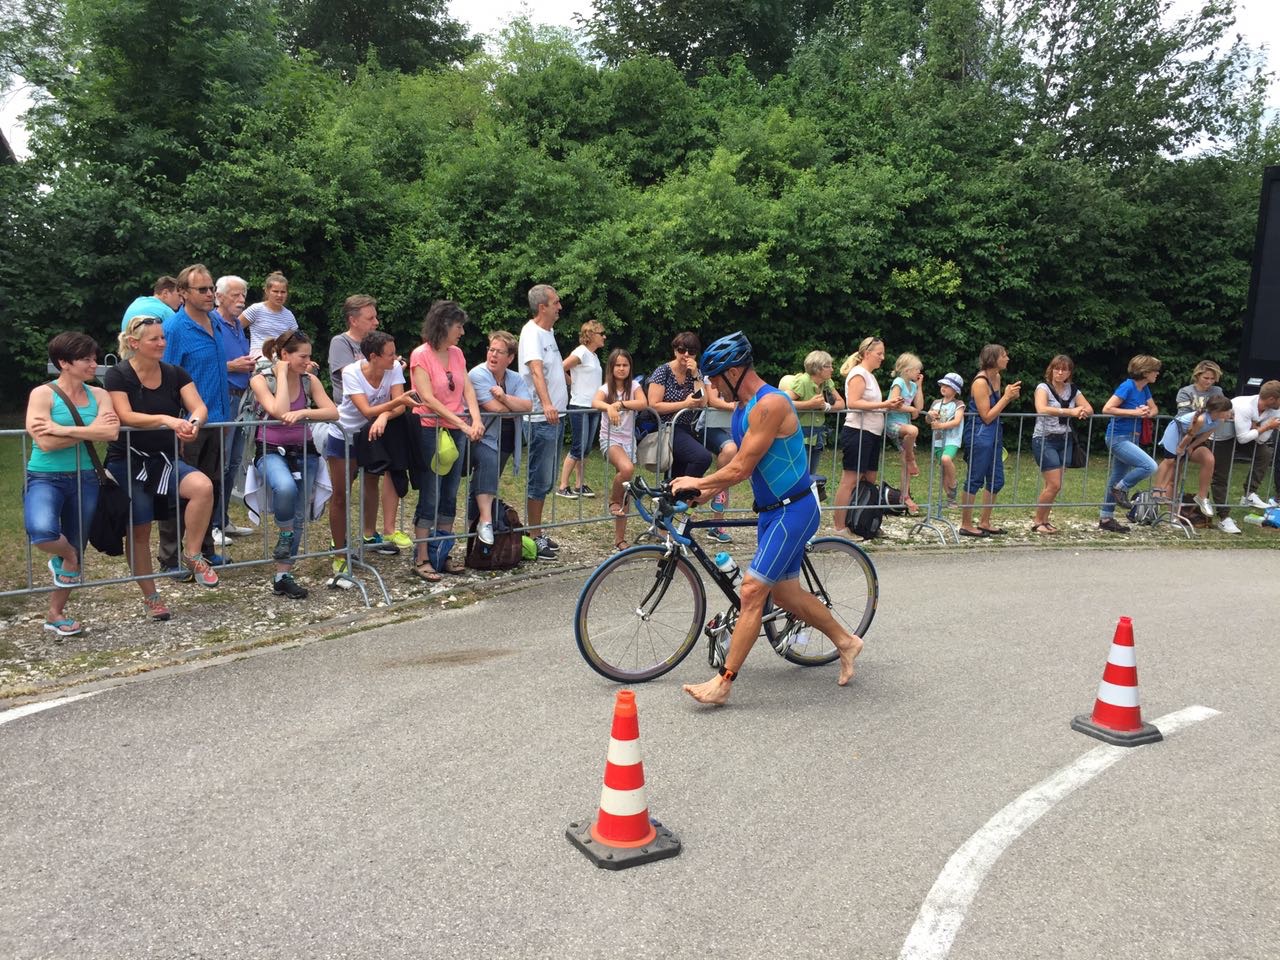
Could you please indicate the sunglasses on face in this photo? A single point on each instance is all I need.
(684, 351)
(201, 289)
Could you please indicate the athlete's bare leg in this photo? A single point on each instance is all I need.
(797, 601)
(745, 633)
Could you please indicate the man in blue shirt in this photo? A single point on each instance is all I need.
(191, 342)
(230, 296)
(163, 302)
(771, 452)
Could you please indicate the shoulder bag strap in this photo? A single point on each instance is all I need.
(103, 476)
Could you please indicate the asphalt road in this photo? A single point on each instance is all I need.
(404, 792)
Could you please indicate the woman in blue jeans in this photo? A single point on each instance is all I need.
(1130, 465)
(286, 457)
(62, 487)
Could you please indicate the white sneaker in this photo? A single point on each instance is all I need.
(1227, 525)
(485, 532)
(231, 530)
(218, 538)
(1253, 500)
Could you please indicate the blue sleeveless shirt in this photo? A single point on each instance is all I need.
(784, 469)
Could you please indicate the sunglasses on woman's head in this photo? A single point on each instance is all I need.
(149, 321)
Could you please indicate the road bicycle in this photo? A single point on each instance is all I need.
(642, 610)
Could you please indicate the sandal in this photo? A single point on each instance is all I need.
(63, 579)
(424, 571)
(993, 531)
(1043, 528)
(620, 546)
(979, 533)
(63, 627)
(453, 569)
(617, 510)
(913, 508)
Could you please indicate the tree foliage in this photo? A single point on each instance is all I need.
(1054, 175)
(695, 34)
(405, 35)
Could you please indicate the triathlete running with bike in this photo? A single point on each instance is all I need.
(771, 452)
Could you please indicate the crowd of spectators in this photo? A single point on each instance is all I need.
(192, 354)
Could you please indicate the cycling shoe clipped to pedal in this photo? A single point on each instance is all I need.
(719, 631)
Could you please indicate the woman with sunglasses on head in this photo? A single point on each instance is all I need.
(675, 387)
(439, 373)
(62, 485)
(862, 435)
(164, 407)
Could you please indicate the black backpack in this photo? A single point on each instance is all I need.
(891, 500)
(866, 512)
(505, 551)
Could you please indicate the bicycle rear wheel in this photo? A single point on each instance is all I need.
(639, 614)
(842, 576)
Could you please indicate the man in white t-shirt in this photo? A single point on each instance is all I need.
(543, 369)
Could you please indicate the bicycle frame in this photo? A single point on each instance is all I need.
(678, 539)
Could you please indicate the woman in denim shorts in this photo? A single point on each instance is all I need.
(62, 486)
(1058, 401)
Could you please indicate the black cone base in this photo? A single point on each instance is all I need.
(662, 846)
(1120, 738)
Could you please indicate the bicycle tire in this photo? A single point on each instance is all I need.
(847, 577)
(615, 638)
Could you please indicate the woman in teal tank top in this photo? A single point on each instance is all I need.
(62, 487)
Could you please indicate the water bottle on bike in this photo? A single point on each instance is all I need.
(729, 567)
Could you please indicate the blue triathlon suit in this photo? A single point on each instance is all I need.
(781, 474)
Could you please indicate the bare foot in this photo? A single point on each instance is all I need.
(715, 691)
(848, 653)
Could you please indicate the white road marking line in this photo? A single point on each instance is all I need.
(944, 908)
(18, 713)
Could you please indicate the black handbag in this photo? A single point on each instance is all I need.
(110, 524)
(1079, 453)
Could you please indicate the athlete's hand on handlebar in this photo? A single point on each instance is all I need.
(688, 489)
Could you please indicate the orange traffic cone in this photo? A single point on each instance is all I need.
(623, 834)
(1117, 717)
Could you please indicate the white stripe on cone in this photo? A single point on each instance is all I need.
(622, 803)
(1123, 656)
(1117, 696)
(624, 753)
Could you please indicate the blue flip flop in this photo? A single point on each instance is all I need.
(66, 627)
(61, 578)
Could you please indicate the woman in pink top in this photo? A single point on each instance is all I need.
(439, 372)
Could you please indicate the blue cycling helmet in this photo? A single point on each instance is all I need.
(731, 351)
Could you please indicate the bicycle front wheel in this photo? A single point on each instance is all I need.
(639, 614)
(843, 578)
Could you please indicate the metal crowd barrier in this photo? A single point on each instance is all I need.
(931, 519)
